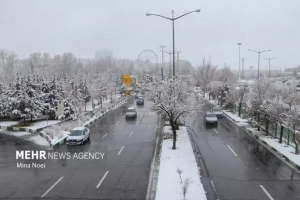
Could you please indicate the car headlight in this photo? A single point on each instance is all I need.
(79, 140)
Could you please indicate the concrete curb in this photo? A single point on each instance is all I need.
(90, 122)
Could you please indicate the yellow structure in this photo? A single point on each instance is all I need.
(126, 79)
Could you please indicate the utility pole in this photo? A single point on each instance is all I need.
(178, 61)
(258, 52)
(173, 30)
(243, 75)
(239, 59)
(162, 61)
(270, 65)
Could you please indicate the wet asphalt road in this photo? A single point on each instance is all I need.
(121, 174)
(235, 167)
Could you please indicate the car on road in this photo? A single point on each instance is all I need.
(218, 111)
(298, 88)
(78, 135)
(140, 101)
(131, 113)
(210, 118)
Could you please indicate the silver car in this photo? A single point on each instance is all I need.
(131, 113)
(210, 118)
(218, 111)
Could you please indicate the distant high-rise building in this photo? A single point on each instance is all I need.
(103, 53)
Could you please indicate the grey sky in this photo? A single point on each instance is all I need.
(82, 27)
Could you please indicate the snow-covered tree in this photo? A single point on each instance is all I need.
(173, 98)
(204, 74)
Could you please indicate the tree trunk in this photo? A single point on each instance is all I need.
(281, 134)
(258, 120)
(24, 122)
(294, 140)
(267, 127)
(240, 108)
(174, 134)
(31, 117)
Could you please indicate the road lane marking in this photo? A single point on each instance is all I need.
(117, 122)
(141, 115)
(231, 150)
(267, 193)
(120, 150)
(102, 179)
(130, 134)
(216, 131)
(104, 136)
(123, 116)
(137, 123)
(90, 149)
(214, 189)
(52, 186)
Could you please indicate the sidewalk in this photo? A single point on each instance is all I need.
(169, 185)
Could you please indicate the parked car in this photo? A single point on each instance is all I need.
(131, 113)
(210, 118)
(78, 135)
(218, 111)
(140, 101)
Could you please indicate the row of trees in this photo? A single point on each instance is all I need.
(33, 96)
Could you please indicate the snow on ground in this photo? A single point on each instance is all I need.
(20, 134)
(41, 124)
(33, 138)
(169, 185)
(38, 140)
(57, 139)
(8, 123)
(89, 105)
(234, 116)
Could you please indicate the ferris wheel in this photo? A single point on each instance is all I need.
(147, 61)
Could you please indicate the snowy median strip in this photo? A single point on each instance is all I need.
(174, 161)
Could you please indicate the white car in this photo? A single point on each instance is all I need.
(78, 135)
(218, 111)
(131, 113)
(210, 118)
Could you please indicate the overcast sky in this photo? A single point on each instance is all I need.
(84, 26)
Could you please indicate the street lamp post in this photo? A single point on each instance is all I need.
(162, 61)
(239, 59)
(258, 52)
(178, 61)
(173, 19)
(270, 65)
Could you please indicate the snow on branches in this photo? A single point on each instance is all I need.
(173, 98)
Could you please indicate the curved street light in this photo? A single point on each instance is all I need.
(258, 52)
(173, 19)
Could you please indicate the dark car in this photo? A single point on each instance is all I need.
(131, 113)
(140, 101)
